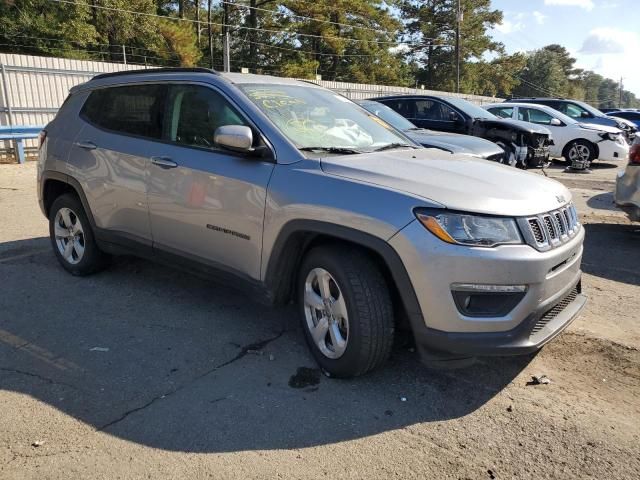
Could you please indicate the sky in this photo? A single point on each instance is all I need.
(603, 35)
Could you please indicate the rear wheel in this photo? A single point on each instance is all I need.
(72, 238)
(346, 311)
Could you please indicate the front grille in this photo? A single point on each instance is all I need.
(551, 229)
(556, 310)
(536, 229)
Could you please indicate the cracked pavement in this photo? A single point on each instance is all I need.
(147, 372)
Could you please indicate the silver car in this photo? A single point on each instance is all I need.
(297, 194)
(628, 184)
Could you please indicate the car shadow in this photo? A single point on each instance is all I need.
(611, 251)
(603, 201)
(161, 358)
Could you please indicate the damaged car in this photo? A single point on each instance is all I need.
(526, 145)
(449, 142)
(579, 143)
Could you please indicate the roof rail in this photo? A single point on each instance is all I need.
(156, 70)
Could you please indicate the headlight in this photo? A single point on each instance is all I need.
(611, 136)
(470, 229)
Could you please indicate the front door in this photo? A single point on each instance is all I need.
(207, 203)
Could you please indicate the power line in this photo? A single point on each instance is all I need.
(295, 15)
(96, 44)
(307, 52)
(236, 27)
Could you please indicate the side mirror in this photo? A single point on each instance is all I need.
(555, 122)
(238, 138)
(454, 117)
(585, 115)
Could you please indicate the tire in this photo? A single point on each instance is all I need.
(356, 287)
(580, 151)
(72, 238)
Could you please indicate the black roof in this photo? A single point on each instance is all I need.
(519, 99)
(156, 70)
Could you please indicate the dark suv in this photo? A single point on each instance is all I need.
(525, 144)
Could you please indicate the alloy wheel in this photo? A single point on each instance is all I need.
(69, 235)
(326, 313)
(580, 153)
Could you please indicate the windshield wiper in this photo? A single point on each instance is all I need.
(390, 146)
(344, 150)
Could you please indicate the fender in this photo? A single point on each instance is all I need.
(73, 183)
(296, 235)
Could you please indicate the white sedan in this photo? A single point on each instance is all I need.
(580, 143)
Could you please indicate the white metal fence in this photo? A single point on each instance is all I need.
(33, 88)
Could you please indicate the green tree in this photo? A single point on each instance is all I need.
(41, 27)
(543, 75)
(430, 26)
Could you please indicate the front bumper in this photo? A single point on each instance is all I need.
(552, 278)
(539, 328)
(612, 151)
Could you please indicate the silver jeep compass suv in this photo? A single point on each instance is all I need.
(299, 194)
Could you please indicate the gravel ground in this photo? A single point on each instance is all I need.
(145, 372)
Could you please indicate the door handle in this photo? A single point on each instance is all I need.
(87, 145)
(163, 162)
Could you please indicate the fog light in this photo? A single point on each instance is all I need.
(478, 300)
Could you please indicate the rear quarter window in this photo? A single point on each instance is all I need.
(132, 110)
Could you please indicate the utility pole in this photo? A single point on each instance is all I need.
(458, 19)
(124, 55)
(620, 98)
(226, 60)
(197, 5)
(210, 32)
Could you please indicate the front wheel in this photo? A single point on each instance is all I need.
(346, 311)
(580, 154)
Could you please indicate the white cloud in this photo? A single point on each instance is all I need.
(608, 51)
(608, 40)
(508, 27)
(586, 4)
(540, 17)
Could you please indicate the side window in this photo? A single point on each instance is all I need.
(403, 107)
(133, 110)
(502, 112)
(534, 115)
(194, 114)
(574, 111)
(432, 110)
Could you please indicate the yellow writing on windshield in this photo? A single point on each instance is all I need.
(271, 98)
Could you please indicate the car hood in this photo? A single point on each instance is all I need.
(625, 122)
(458, 182)
(518, 125)
(455, 142)
(599, 128)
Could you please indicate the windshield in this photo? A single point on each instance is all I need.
(389, 115)
(563, 118)
(315, 118)
(589, 108)
(470, 109)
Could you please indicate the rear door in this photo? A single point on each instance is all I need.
(207, 203)
(110, 156)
